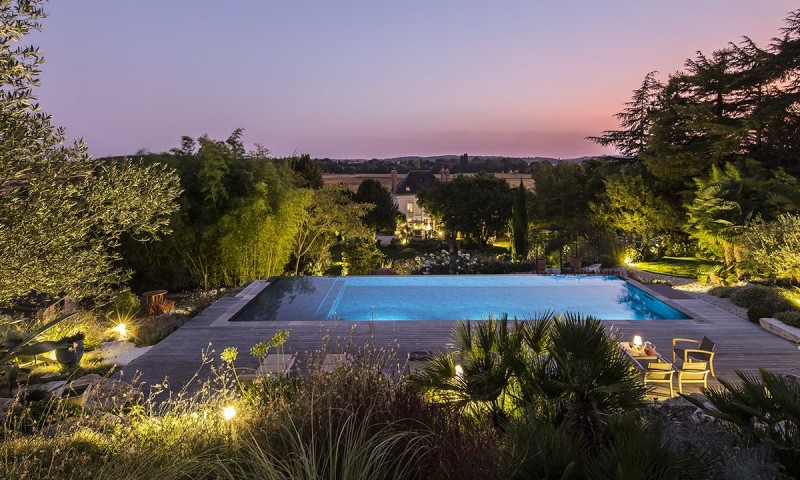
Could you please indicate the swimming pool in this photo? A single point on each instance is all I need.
(451, 297)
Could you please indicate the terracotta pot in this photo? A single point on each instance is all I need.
(541, 265)
(575, 263)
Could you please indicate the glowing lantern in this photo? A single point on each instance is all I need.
(228, 413)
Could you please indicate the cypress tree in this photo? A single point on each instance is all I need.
(519, 222)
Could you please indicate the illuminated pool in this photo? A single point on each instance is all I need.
(451, 297)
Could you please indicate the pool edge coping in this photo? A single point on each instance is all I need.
(257, 286)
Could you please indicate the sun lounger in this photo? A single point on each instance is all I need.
(594, 268)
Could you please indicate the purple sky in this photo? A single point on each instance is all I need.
(363, 79)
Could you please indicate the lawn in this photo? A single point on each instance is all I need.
(676, 266)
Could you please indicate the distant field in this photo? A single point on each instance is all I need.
(352, 181)
(676, 266)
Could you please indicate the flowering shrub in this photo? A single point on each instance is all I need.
(459, 263)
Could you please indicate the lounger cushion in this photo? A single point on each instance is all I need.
(706, 345)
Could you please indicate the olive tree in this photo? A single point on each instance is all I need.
(62, 214)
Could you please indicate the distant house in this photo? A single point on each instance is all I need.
(418, 221)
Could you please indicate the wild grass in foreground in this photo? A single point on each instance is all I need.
(545, 398)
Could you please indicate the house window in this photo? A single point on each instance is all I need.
(410, 207)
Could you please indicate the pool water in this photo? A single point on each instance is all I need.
(451, 297)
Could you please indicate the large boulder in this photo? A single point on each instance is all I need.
(109, 394)
(679, 406)
(78, 386)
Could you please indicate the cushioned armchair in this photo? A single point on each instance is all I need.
(658, 372)
(699, 350)
(693, 372)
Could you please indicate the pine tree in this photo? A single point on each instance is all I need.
(636, 120)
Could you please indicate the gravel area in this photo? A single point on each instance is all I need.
(120, 353)
(693, 288)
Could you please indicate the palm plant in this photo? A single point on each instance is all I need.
(480, 379)
(764, 407)
(633, 449)
(566, 368)
(592, 377)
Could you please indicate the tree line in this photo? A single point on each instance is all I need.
(455, 164)
(246, 215)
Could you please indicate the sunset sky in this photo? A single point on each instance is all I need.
(363, 79)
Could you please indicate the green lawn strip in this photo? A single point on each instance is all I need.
(676, 266)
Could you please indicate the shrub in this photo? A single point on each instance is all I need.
(124, 306)
(151, 330)
(772, 249)
(763, 407)
(754, 314)
(360, 256)
(718, 275)
(158, 307)
(756, 295)
(722, 291)
(789, 317)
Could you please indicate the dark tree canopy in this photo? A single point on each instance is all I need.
(309, 171)
(383, 216)
(636, 120)
(477, 207)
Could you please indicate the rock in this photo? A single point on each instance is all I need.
(108, 394)
(50, 389)
(679, 406)
(700, 417)
(80, 385)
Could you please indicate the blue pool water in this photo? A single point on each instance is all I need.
(451, 297)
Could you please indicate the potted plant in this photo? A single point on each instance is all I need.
(541, 265)
(71, 350)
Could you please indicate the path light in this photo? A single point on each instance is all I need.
(628, 261)
(122, 330)
(228, 413)
(459, 371)
(637, 342)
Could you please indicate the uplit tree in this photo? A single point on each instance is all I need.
(61, 213)
(732, 196)
(477, 206)
(329, 214)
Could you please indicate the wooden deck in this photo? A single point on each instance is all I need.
(740, 344)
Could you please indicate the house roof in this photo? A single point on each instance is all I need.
(415, 182)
